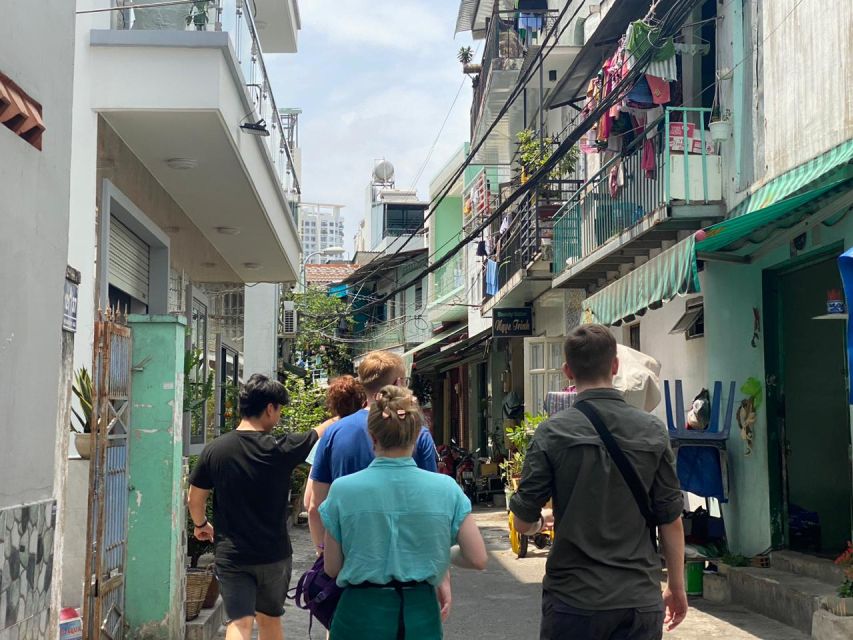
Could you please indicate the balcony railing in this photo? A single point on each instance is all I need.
(602, 208)
(529, 235)
(510, 35)
(234, 18)
(449, 278)
(382, 336)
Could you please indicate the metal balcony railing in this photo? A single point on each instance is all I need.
(509, 36)
(449, 278)
(234, 18)
(528, 236)
(602, 208)
(382, 336)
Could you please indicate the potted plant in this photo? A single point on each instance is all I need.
(197, 15)
(83, 390)
(533, 153)
(843, 604)
(466, 56)
(720, 125)
(519, 438)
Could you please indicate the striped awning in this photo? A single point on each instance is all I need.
(669, 274)
(831, 166)
(439, 337)
(474, 13)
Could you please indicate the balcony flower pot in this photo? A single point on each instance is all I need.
(83, 444)
(840, 606)
(721, 130)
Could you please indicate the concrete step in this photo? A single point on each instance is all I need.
(784, 596)
(806, 565)
(208, 623)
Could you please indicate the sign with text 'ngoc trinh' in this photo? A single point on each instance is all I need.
(512, 323)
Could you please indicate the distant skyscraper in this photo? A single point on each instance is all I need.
(320, 227)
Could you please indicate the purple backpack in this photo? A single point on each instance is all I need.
(318, 593)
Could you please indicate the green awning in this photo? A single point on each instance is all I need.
(831, 166)
(444, 335)
(669, 274)
(757, 226)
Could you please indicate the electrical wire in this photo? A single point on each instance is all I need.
(669, 25)
(521, 83)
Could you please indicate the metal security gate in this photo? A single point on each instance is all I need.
(103, 605)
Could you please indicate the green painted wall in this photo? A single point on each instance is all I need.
(731, 292)
(156, 519)
(446, 227)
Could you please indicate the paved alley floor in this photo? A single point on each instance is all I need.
(503, 601)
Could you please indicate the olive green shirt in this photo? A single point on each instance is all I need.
(602, 557)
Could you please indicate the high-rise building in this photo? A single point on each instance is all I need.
(320, 227)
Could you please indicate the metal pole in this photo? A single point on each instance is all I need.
(541, 112)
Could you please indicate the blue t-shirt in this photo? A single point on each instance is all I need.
(394, 522)
(346, 448)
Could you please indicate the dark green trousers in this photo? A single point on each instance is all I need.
(373, 614)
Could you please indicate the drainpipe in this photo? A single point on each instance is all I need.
(738, 114)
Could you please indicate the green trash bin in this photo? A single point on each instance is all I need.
(693, 577)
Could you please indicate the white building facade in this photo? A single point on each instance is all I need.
(321, 227)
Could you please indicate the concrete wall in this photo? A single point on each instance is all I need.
(680, 359)
(731, 292)
(157, 516)
(806, 72)
(260, 338)
(37, 55)
(75, 500)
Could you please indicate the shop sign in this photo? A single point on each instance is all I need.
(69, 306)
(512, 323)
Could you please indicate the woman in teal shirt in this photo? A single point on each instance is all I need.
(392, 531)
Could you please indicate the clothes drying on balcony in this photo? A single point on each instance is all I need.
(491, 278)
(638, 40)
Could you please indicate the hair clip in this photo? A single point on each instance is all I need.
(386, 415)
(401, 413)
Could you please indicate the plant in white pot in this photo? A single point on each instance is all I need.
(83, 389)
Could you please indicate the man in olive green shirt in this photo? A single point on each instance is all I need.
(602, 578)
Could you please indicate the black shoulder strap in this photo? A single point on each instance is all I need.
(629, 473)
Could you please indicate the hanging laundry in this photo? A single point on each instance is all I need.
(659, 89)
(641, 92)
(505, 223)
(491, 278)
(639, 38)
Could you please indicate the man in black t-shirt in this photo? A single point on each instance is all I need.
(248, 470)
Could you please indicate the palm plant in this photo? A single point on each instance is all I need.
(84, 391)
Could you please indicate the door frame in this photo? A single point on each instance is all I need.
(774, 361)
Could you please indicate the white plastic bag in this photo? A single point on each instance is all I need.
(638, 378)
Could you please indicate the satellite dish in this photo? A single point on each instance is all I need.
(383, 172)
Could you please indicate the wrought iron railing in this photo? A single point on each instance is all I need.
(234, 18)
(634, 185)
(529, 234)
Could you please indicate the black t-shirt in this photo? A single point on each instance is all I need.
(249, 473)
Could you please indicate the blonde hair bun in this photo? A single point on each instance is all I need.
(395, 417)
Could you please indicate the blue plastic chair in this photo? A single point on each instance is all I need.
(718, 430)
(699, 470)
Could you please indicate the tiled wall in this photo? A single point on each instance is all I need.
(26, 553)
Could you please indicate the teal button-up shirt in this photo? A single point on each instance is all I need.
(394, 521)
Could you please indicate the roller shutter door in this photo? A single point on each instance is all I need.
(129, 261)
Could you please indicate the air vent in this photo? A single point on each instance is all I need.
(288, 321)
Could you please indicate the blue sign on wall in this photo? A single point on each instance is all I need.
(845, 265)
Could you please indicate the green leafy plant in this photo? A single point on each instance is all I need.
(845, 561)
(198, 389)
(465, 55)
(198, 14)
(519, 438)
(752, 389)
(83, 389)
(321, 316)
(735, 560)
(533, 154)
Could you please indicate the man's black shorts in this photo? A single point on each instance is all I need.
(256, 588)
(560, 620)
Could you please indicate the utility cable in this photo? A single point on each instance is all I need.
(670, 24)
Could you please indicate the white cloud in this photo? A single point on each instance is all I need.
(375, 79)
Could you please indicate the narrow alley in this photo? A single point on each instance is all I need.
(503, 601)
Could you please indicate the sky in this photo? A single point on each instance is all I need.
(374, 79)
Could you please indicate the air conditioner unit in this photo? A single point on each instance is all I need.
(288, 321)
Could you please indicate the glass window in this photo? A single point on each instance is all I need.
(537, 356)
(400, 220)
